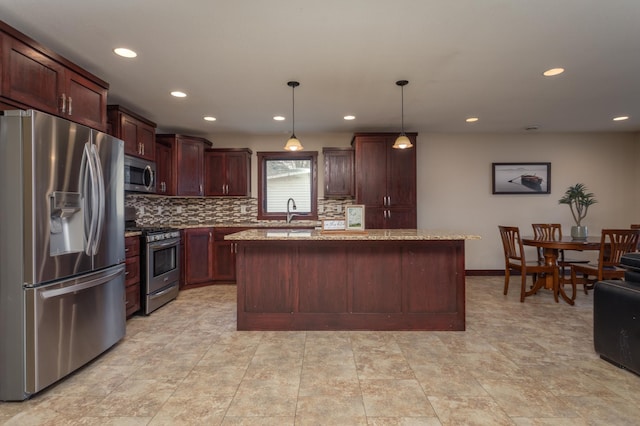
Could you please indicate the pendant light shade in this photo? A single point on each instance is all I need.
(402, 142)
(293, 144)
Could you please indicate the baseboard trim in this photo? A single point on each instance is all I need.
(484, 272)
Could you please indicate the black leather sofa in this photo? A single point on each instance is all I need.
(616, 317)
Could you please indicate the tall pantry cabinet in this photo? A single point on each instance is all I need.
(386, 180)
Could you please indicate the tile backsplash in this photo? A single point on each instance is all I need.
(153, 210)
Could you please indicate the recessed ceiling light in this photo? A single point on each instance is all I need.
(621, 118)
(553, 71)
(179, 94)
(210, 118)
(124, 52)
(278, 118)
(349, 117)
(471, 119)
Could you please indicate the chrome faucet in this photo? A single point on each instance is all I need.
(289, 214)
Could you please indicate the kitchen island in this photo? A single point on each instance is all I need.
(371, 280)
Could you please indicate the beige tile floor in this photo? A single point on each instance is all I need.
(517, 364)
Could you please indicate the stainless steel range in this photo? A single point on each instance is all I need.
(160, 274)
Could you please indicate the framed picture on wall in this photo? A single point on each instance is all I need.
(354, 217)
(521, 178)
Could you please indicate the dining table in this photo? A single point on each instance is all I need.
(551, 251)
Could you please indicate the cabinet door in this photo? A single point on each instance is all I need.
(198, 247)
(147, 140)
(374, 217)
(86, 101)
(338, 173)
(238, 173)
(371, 171)
(401, 172)
(400, 218)
(31, 78)
(215, 178)
(164, 170)
(190, 167)
(129, 134)
(225, 262)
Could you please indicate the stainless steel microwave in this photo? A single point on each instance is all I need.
(139, 175)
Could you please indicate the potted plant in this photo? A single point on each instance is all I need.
(579, 201)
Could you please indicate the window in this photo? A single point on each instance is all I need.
(284, 175)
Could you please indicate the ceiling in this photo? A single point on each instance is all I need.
(462, 58)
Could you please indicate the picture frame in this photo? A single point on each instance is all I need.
(521, 178)
(354, 217)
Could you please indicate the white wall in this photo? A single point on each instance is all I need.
(454, 181)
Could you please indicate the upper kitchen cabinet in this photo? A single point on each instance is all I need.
(228, 172)
(187, 164)
(33, 77)
(138, 133)
(385, 180)
(164, 169)
(339, 177)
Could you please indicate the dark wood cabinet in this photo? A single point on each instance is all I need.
(132, 275)
(35, 77)
(187, 163)
(224, 269)
(228, 172)
(385, 180)
(164, 169)
(138, 133)
(339, 176)
(198, 257)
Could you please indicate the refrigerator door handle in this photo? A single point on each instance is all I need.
(47, 294)
(86, 181)
(99, 185)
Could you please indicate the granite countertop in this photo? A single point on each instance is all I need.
(274, 224)
(132, 234)
(370, 234)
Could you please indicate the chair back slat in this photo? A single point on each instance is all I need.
(511, 243)
(547, 231)
(616, 242)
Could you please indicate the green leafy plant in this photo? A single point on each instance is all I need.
(578, 200)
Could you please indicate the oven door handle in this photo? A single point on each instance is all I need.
(161, 293)
(161, 245)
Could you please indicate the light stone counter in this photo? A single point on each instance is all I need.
(368, 235)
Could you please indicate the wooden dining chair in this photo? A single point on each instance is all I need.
(613, 244)
(553, 231)
(514, 259)
(636, 226)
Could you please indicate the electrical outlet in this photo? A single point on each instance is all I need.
(243, 209)
(179, 209)
(159, 210)
(141, 210)
(321, 208)
(338, 208)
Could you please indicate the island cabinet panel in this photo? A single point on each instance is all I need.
(328, 267)
(376, 277)
(264, 291)
(425, 269)
(300, 284)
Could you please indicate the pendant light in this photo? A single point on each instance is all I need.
(293, 144)
(402, 142)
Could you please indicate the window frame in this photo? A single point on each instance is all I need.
(263, 157)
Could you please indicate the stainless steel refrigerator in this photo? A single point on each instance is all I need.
(62, 300)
